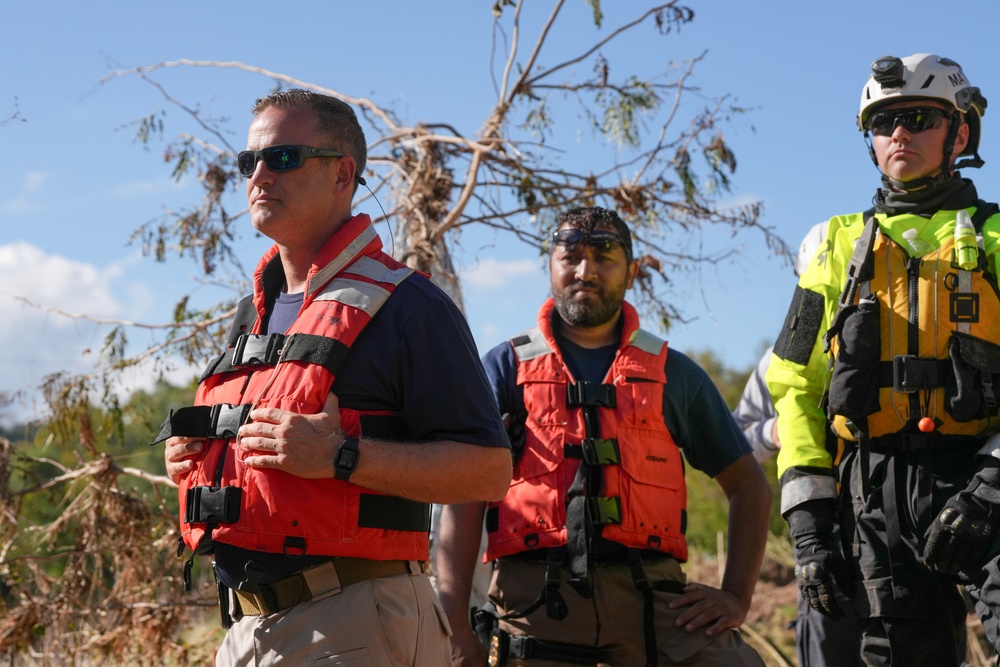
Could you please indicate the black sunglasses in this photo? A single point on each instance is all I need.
(280, 158)
(913, 120)
(598, 238)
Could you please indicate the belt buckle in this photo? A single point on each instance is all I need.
(322, 580)
(264, 600)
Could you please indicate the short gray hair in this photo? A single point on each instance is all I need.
(334, 118)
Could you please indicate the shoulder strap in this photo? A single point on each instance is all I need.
(984, 211)
(859, 269)
(244, 319)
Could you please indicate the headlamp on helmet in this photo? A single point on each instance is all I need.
(888, 72)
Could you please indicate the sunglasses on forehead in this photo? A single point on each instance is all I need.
(912, 119)
(280, 158)
(598, 238)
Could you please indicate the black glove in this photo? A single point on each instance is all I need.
(960, 536)
(811, 528)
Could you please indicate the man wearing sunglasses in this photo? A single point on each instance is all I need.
(350, 397)
(885, 378)
(588, 543)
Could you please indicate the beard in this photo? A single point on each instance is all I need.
(597, 309)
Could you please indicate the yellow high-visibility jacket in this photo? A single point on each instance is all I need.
(929, 313)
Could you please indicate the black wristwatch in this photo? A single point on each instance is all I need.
(346, 459)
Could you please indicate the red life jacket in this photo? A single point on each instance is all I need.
(277, 512)
(642, 497)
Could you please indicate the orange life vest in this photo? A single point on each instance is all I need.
(642, 497)
(277, 512)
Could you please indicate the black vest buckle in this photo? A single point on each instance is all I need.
(591, 394)
(258, 350)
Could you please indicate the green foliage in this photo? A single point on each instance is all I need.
(598, 16)
(708, 512)
(623, 110)
(149, 127)
(729, 381)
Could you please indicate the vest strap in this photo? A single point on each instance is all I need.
(222, 420)
(859, 270)
(595, 451)
(603, 509)
(393, 513)
(255, 350)
(648, 626)
(907, 373)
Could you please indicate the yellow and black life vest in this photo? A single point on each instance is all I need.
(915, 342)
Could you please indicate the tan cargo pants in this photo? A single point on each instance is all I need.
(385, 622)
(613, 618)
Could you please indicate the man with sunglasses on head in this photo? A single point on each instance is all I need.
(588, 543)
(349, 398)
(885, 377)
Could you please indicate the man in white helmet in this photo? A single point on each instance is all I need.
(886, 381)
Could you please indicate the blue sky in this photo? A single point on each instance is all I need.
(75, 185)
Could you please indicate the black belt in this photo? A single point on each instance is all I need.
(325, 579)
(607, 558)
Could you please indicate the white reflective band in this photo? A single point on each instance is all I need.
(801, 489)
(964, 287)
(346, 256)
(646, 342)
(361, 295)
(535, 347)
(369, 268)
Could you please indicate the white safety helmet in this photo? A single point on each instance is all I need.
(924, 76)
(811, 242)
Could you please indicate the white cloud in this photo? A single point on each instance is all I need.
(22, 203)
(26, 271)
(34, 180)
(493, 274)
(59, 332)
(36, 340)
(502, 297)
(147, 188)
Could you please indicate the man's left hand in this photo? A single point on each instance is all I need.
(716, 608)
(961, 534)
(301, 445)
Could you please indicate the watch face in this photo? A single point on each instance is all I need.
(347, 458)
